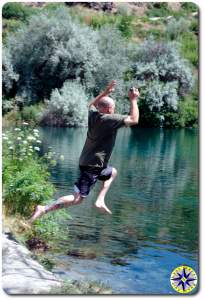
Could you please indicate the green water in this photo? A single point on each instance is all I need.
(154, 200)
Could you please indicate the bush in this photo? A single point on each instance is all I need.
(25, 175)
(32, 114)
(65, 50)
(189, 7)
(67, 106)
(9, 76)
(7, 105)
(17, 11)
(125, 26)
(115, 62)
(163, 75)
(175, 28)
(188, 113)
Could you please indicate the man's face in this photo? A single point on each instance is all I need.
(111, 108)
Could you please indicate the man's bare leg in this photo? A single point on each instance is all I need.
(100, 202)
(62, 202)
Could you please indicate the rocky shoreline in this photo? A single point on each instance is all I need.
(21, 274)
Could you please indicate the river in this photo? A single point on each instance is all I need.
(154, 201)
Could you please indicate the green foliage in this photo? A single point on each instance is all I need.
(67, 106)
(9, 76)
(189, 47)
(194, 26)
(32, 114)
(65, 50)
(158, 9)
(17, 11)
(189, 7)
(51, 227)
(7, 105)
(175, 28)
(188, 113)
(115, 62)
(97, 21)
(10, 26)
(163, 75)
(25, 175)
(125, 26)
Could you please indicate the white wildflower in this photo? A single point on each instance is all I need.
(19, 138)
(31, 138)
(25, 142)
(5, 138)
(37, 148)
(25, 123)
(35, 130)
(10, 148)
(61, 157)
(17, 129)
(38, 141)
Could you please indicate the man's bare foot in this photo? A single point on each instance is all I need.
(103, 208)
(39, 211)
(25, 225)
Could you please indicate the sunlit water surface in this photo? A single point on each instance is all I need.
(154, 201)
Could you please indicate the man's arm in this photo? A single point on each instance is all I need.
(108, 90)
(133, 118)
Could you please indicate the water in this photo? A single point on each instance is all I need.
(154, 200)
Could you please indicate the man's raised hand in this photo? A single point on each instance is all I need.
(133, 93)
(110, 88)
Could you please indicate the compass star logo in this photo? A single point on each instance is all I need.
(183, 279)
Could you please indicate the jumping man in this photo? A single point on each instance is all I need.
(103, 124)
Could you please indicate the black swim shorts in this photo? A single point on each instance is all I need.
(89, 176)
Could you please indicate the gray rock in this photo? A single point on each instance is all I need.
(21, 274)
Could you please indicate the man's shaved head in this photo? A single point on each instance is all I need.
(106, 105)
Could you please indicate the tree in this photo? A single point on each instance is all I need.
(51, 49)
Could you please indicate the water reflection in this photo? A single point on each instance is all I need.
(154, 199)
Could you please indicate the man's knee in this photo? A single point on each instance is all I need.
(114, 172)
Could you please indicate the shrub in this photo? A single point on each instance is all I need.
(50, 50)
(9, 76)
(32, 114)
(16, 11)
(188, 112)
(115, 62)
(189, 6)
(125, 26)
(175, 28)
(163, 75)
(7, 105)
(25, 175)
(67, 106)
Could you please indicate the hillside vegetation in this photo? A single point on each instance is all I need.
(56, 56)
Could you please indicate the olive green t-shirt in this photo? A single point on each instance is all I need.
(101, 135)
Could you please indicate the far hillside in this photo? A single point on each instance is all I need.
(56, 56)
